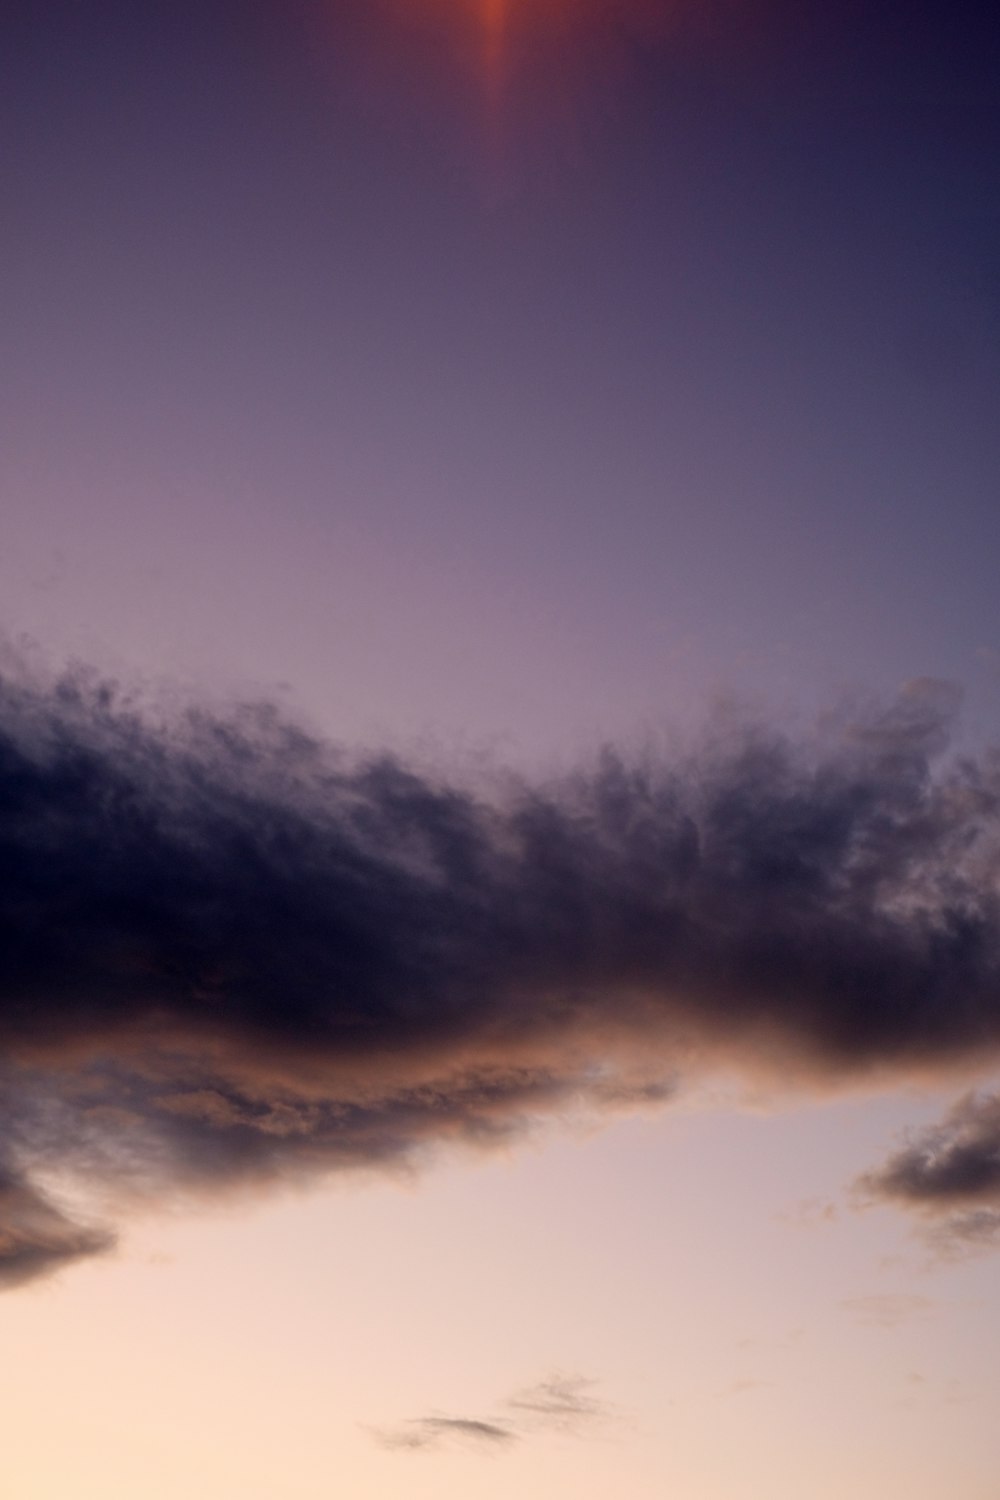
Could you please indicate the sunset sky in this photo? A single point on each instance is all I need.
(499, 750)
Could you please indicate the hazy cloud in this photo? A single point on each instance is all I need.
(886, 1309)
(231, 954)
(957, 1236)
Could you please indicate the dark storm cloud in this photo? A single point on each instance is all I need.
(230, 954)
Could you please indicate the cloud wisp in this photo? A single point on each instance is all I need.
(419, 1434)
(564, 1402)
(560, 1403)
(233, 956)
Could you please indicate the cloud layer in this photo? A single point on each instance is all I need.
(230, 954)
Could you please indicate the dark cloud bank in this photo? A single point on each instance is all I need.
(230, 955)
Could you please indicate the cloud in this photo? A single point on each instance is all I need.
(232, 955)
(564, 1402)
(36, 1237)
(421, 1433)
(954, 1164)
(957, 1236)
(949, 1175)
(560, 1402)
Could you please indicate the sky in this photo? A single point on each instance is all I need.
(499, 749)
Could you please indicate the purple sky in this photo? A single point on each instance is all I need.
(701, 396)
(481, 384)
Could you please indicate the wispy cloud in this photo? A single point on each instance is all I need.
(418, 1434)
(232, 955)
(560, 1402)
(565, 1402)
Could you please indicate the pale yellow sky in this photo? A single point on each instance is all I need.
(740, 1347)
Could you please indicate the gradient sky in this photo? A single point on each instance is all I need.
(481, 383)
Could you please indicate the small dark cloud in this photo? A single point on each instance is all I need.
(955, 1164)
(949, 1177)
(232, 956)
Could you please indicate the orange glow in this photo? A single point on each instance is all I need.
(494, 15)
(534, 66)
(525, 57)
(575, 35)
(495, 20)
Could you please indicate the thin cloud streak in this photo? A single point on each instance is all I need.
(421, 1433)
(233, 956)
(564, 1402)
(560, 1403)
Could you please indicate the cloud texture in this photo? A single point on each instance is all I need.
(229, 954)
